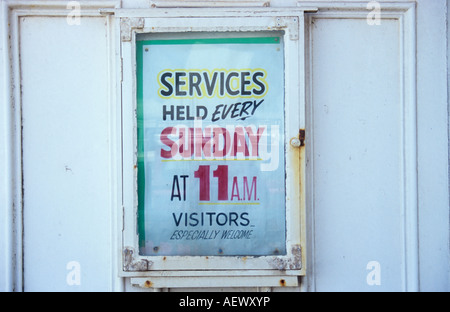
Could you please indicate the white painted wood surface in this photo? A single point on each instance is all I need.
(65, 150)
(368, 203)
(358, 153)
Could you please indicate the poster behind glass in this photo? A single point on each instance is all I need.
(211, 172)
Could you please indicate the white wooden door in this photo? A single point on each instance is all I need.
(67, 232)
(377, 102)
(358, 159)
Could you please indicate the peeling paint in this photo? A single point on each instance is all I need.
(127, 24)
(294, 262)
(131, 264)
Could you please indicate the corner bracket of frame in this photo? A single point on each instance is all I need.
(130, 263)
(127, 25)
(292, 23)
(294, 262)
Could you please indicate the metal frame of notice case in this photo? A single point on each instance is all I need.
(217, 271)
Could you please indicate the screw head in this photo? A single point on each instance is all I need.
(295, 142)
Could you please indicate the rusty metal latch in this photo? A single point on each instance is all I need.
(302, 136)
(300, 140)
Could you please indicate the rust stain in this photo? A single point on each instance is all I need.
(282, 283)
(302, 136)
(296, 163)
(148, 284)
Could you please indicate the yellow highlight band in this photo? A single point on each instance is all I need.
(218, 83)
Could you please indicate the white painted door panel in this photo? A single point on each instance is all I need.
(66, 214)
(358, 155)
(433, 81)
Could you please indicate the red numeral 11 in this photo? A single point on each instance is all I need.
(203, 174)
(222, 181)
(221, 173)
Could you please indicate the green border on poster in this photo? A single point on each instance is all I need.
(140, 145)
(140, 107)
(242, 40)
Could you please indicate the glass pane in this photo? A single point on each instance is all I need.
(211, 172)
